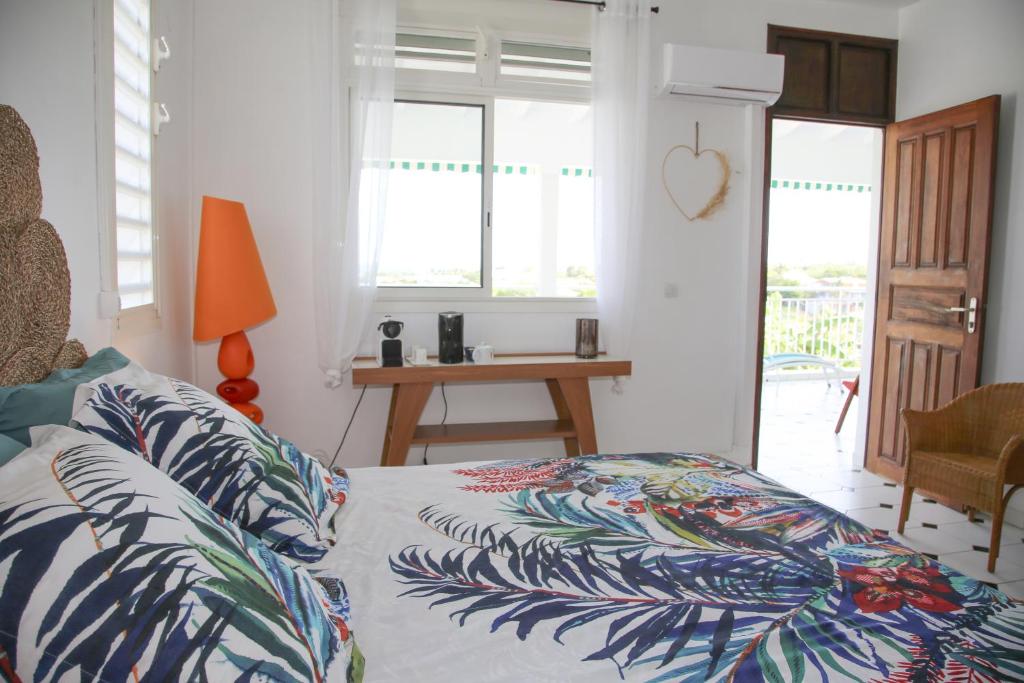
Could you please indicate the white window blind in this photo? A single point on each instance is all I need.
(133, 153)
(435, 53)
(544, 62)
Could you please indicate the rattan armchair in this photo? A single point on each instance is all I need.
(968, 451)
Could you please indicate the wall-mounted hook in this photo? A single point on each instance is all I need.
(160, 116)
(161, 52)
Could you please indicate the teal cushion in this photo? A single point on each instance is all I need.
(9, 448)
(50, 401)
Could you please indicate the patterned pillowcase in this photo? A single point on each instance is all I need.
(111, 571)
(258, 480)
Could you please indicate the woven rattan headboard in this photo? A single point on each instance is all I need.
(35, 285)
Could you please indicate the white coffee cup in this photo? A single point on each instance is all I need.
(418, 355)
(483, 353)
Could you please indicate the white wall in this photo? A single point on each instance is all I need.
(953, 52)
(258, 117)
(245, 89)
(254, 98)
(47, 74)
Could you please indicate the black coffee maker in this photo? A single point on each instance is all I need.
(449, 337)
(389, 346)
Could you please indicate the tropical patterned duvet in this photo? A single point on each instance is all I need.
(654, 567)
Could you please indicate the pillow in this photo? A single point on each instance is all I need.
(50, 401)
(110, 571)
(259, 481)
(9, 448)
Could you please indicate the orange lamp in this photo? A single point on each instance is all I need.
(232, 294)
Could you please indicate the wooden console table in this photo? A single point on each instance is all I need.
(567, 378)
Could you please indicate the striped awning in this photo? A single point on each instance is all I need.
(778, 183)
(497, 169)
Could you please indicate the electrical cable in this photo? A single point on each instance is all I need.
(444, 418)
(348, 427)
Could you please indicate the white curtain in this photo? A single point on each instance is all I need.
(347, 241)
(620, 57)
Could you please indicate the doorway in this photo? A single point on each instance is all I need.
(822, 233)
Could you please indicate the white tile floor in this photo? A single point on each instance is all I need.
(798, 448)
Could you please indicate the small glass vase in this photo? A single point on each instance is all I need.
(586, 337)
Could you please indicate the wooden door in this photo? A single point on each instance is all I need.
(938, 181)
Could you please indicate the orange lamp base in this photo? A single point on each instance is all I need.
(250, 410)
(235, 361)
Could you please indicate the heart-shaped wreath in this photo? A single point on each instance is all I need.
(717, 198)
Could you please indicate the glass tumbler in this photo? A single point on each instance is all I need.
(586, 337)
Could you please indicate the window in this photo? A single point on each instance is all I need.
(491, 190)
(543, 224)
(133, 204)
(432, 234)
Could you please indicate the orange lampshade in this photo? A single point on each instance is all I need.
(232, 292)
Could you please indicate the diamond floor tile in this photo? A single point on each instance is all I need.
(841, 500)
(880, 518)
(857, 479)
(936, 514)
(802, 481)
(876, 496)
(1010, 553)
(932, 541)
(974, 564)
(1015, 589)
(981, 534)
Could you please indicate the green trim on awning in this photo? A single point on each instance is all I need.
(578, 172)
(497, 169)
(777, 183)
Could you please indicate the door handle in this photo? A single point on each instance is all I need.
(972, 313)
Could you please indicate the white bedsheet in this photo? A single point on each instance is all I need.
(402, 638)
(650, 567)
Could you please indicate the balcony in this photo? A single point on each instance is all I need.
(821, 321)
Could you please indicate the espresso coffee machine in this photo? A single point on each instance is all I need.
(449, 337)
(389, 346)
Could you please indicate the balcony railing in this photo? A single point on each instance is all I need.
(823, 321)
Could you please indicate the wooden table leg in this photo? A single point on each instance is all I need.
(409, 401)
(576, 392)
(389, 425)
(572, 445)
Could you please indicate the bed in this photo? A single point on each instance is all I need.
(648, 567)
(150, 532)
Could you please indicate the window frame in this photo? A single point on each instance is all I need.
(391, 292)
(483, 87)
(146, 318)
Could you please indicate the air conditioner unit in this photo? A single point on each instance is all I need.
(726, 76)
